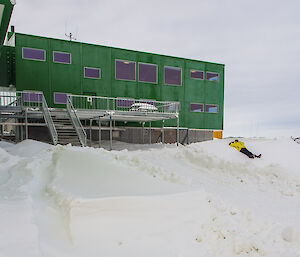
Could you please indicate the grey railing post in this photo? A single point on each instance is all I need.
(26, 125)
(150, 131)
(110, 132)
(163, 132)
(99, 132)
(178, 130)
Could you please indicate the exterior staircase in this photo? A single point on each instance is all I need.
(65, 130)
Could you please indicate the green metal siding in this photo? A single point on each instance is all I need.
(52, 77)
(4, 22)
(7, 66)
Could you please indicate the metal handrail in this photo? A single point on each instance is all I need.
(49, 121)
(76, 122)
(122, 104)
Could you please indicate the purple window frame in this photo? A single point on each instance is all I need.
(59, 58)
(193, 107)
(213, 75)
(125, 102)
(122, 75)
(60, 98)
(211, 105)
(142, 75)
(167, 70)
(91, 75)
(195, 72)
(38, 54)
(32, 97)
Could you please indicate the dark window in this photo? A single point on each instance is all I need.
(92, 73)
(125, 70)
(197, 74)
(61, 57)
(34, 54)
(211, 108)
(172, 76)
(197, 107)
(125, 103)
(148, 72)
(152, 102)
(212, 76)
(60, 98)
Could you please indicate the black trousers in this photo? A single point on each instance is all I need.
(248, 153)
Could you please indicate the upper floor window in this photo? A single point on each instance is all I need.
(148, 73)
(195, 107)
(172, 76)
(212, 76)
(197, 74)
(125, 70)
(92, 73)
(212, 108)
(33, 54)
(61, 57)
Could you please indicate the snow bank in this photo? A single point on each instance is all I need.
(205, 199)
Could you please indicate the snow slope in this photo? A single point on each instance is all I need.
(205, 199)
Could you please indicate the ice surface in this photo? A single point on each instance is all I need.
(205, 199)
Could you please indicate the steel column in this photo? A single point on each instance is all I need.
(110, 132)
(177, 130)
(91, 132)
(99, 132)
(163, 132)
(150, 135)
(26, 125)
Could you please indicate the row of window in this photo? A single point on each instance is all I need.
(61, 98)
(125, 70)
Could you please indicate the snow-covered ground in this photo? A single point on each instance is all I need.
(205, 199)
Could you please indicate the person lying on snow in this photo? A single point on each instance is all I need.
(240, 146)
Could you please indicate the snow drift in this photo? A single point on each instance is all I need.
(205, 199)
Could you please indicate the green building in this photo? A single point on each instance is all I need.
(59, 67)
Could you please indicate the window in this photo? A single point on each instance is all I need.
(32, 97)
(125, 70)
(60, 98)
(125, 102)
(148, 73)
(196, 107)
(212, 76)
(60, 57)
(172, 107)
(172, 76)
(33, 54)
(211, 108)
(92, 73)
(197, 74)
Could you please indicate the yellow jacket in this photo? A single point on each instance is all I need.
(238, 145)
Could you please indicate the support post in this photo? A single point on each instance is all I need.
(177, 130)
(187, 139)
(99, 132)
(26, 125)
(150, 133)
(110, 132)
(91, 132)
(163, 132)
(143, 134)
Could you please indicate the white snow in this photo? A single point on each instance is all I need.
(204, 199)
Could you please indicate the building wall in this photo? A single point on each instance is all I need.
(7, 66)
(51, 77)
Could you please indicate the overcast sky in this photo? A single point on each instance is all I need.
(257, 40)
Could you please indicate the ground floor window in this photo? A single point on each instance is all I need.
(197, 107)
(212, 108)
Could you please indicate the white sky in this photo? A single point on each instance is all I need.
(258, 41)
